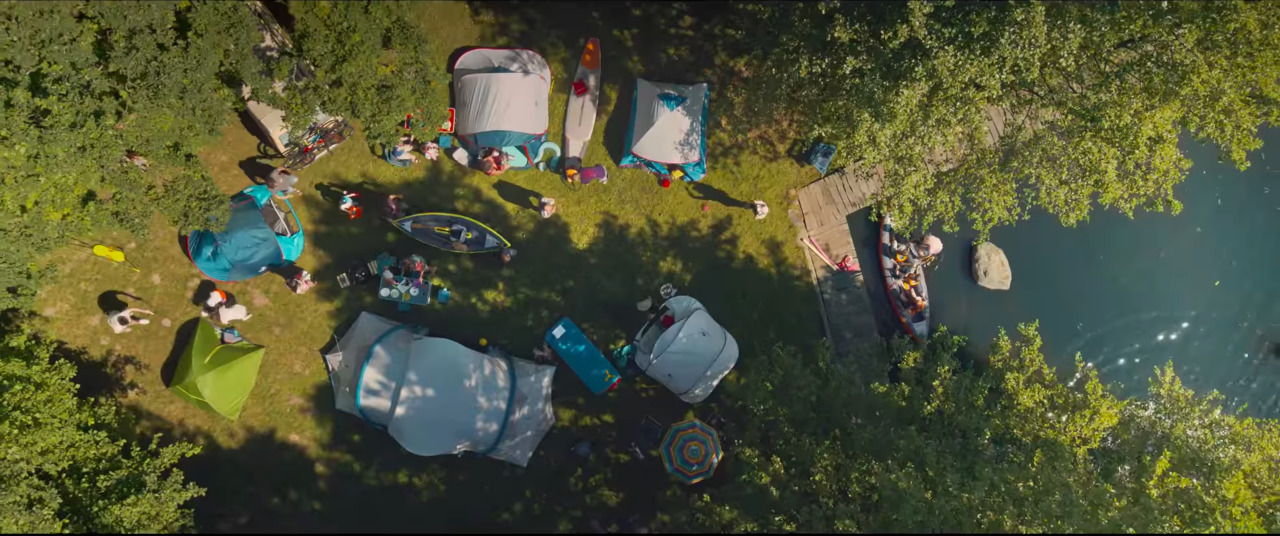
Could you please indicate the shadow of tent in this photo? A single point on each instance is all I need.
(180, 341)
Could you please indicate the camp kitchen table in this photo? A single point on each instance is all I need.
(405, 298)
(583, 357)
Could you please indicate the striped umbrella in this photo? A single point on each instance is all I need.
(691, 451)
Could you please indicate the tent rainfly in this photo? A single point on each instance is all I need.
(692, 355)
(258, 236)
(501, 101)
(435, 396)
(668, 129)
(214, 376)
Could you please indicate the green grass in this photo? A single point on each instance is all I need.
(293, 463)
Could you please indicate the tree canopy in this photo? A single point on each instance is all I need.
(1010, 448)
(1088, 99)
(64, 464)
(368, 62)
(88, 82)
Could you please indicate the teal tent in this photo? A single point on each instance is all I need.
(263, 232)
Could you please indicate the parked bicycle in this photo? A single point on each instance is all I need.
(317, 140)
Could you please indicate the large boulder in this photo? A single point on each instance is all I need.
(991, 267)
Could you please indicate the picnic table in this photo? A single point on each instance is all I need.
(400, 292)
(584, 358)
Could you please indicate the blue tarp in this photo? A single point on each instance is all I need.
(258, 236)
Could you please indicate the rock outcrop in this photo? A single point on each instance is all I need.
(991, 267)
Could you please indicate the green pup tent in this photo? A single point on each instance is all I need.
(215, 376)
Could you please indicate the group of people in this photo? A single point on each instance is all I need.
(909, 260)
(403, 151)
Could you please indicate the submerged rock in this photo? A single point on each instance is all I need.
(991, 267)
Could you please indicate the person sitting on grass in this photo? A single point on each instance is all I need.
(493, 162)
(404, 151)
(415, 263)
(121, 321)
(395, 207)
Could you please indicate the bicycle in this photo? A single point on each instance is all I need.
(317, 140)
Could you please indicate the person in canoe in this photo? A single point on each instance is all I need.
(911, 294)
(915, 254)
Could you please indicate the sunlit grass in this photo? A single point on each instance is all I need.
(607, 246)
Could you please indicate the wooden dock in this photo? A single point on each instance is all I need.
(825, 206)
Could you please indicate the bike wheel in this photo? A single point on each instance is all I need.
(337, 132)
(299, 159)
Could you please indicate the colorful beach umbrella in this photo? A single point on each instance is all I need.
(691, 451)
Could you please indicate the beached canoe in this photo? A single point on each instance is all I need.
(917, 325)
(452, 232)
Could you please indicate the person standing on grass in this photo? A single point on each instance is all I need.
(760, 208)
(546, 207)
(122, 321)
(281, 182)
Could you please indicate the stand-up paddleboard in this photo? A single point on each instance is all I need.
(580, 117)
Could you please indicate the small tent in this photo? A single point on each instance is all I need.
(214, 376)
(435, 396)
(260, 235)
(692, 355)
(668, 129)
(500, 97)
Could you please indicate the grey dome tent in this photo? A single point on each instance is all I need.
(501, 100)
(435, 396)
(690, 357)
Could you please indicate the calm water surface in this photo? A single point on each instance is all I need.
(1199, 288)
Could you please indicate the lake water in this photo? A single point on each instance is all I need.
(1198, 288)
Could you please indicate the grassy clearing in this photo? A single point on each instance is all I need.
(293, 463)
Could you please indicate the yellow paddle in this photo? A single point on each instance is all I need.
(113, 255)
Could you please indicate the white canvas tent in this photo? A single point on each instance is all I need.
(668, 122)
(691, 356)
(435, 396)
(501, 98)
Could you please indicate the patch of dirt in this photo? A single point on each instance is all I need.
(295, 400)
(259, 299)
(165, 322)
(192, 284)
(49, 311)
(104, 340)
(94, 319)
(155, 278)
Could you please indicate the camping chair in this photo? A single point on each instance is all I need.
(649, 437)
(820, 156)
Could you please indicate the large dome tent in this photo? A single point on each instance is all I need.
(436, 396)
(668, 129)
(690, 356)
(500, 97)
(263, 232)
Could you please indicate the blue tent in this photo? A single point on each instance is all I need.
(501, 101)
(668, 129)
(259, 235)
